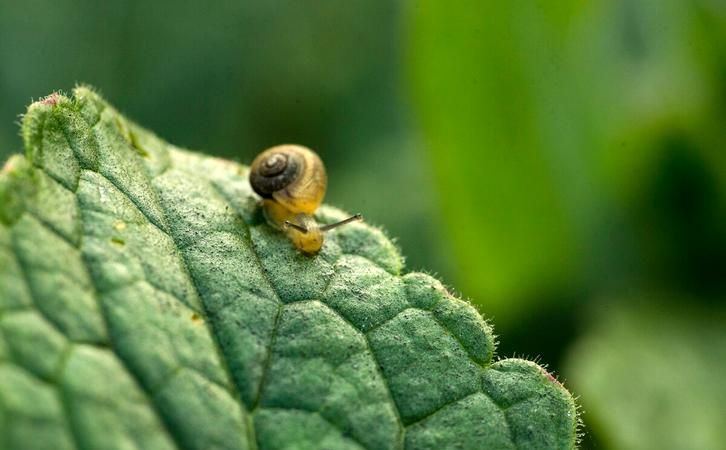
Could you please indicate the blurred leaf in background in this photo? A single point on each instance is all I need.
(232, 78)
(649, 374)
(657, 78)
(494, 107)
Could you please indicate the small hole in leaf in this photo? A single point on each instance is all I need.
(195, 317)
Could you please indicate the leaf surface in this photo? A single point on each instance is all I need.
(145, 303)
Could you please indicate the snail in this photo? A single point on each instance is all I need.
(291, 180)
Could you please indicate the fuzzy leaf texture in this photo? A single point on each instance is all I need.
(146, 304)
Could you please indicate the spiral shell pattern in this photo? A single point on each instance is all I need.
(272, 171)
(291, 175)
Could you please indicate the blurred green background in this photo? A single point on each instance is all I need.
(561, 164)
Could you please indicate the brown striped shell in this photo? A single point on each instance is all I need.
(291, 175)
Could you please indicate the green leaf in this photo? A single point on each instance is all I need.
(145, 303)
(653, 365)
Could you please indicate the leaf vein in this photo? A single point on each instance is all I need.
(63, 398)
(148, 395)
(24, 269)
(205, 313)
(379, 371)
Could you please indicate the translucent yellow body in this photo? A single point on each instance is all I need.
(309, 242)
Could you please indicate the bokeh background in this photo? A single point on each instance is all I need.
(560, 164)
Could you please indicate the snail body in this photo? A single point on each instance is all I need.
(292, 181)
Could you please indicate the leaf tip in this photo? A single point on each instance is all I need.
(33, 121)
(50, 100)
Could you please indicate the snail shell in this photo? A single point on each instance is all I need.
(291, 175)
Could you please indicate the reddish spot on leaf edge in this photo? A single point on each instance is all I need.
(551, 378)
(51, 100)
